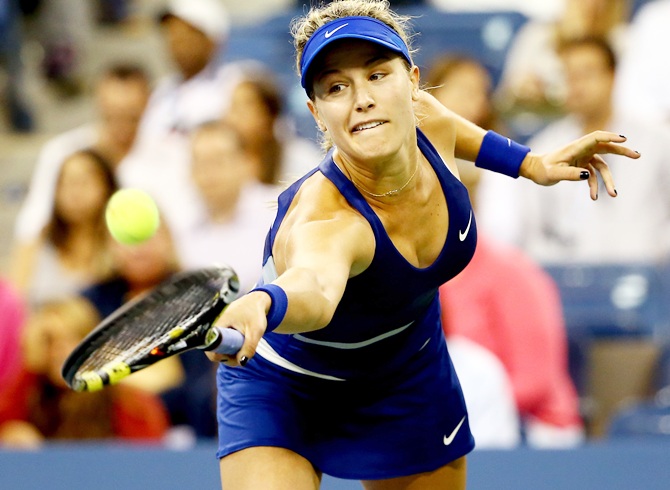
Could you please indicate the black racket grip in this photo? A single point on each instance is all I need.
(224, 341)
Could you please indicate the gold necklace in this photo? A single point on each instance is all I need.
(388, 193)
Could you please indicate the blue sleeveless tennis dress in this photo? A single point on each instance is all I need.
(374, 394)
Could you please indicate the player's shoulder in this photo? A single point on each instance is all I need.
(319, 199)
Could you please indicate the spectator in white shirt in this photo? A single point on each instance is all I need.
(121, 94)
(633, 227)
(198, 91)
(643, 77)
(239, 208)
(533, 77)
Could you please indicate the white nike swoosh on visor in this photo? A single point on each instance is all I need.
(452, 436)
(463, 234)
(330, 33)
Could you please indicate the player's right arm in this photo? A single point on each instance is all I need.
(318, 248)
(316, 259)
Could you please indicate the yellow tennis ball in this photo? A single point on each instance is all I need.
(131, 216)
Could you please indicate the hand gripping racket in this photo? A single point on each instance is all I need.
(174, 317)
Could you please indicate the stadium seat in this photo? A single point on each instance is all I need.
(619, 371)
(649, 419)
(611, 299)
(616, 317)
(662, 378)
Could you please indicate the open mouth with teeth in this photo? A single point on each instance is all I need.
(368, 125)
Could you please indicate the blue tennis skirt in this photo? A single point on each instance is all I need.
(389, 425)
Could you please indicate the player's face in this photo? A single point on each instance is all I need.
(363, 99)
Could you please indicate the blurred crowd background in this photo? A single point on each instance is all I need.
(559, 328)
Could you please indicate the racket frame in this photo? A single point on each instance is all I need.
(195, 332)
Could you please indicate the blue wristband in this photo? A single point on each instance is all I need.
(501, 154)
(278, 306)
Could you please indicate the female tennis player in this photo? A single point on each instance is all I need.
(346, 369)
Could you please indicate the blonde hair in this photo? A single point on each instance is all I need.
(302, 28)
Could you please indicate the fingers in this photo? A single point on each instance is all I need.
(559, 173)
(606, 137)
(593, 183)
(246, 315)
(604, 142)
(251, 339)
(604, 171)
(212, 356)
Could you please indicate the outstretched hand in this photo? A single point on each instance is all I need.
(579, 160)
(246, 314)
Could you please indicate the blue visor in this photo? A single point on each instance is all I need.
(365, 28)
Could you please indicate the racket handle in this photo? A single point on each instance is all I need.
(224, 341)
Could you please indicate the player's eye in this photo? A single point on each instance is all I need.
(335, 88)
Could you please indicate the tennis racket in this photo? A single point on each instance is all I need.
(174, 317)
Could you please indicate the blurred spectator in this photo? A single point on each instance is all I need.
(394, 3)
(533, 77)
(138, 269)
(121, 94)
(230, 230)
(65, 29)
(635, 226)
(256, 110)
(239, 208)
(15, 98)
(114, 11)
(195, 32)
(506, 303)
(545, 10)
(254, 11)
(71, 251)
(464, 85)
(643, 79)
(12, 317)
(37, 405)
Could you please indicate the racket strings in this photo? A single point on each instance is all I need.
(140, 329)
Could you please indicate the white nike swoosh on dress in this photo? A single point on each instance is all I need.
(330, 33)
(452, 436)
(463, 234)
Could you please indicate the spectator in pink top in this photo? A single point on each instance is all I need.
(12, 316)
(505, 302)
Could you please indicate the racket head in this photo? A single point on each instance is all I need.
(174, 317)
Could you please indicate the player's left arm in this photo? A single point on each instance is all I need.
(579, 160)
